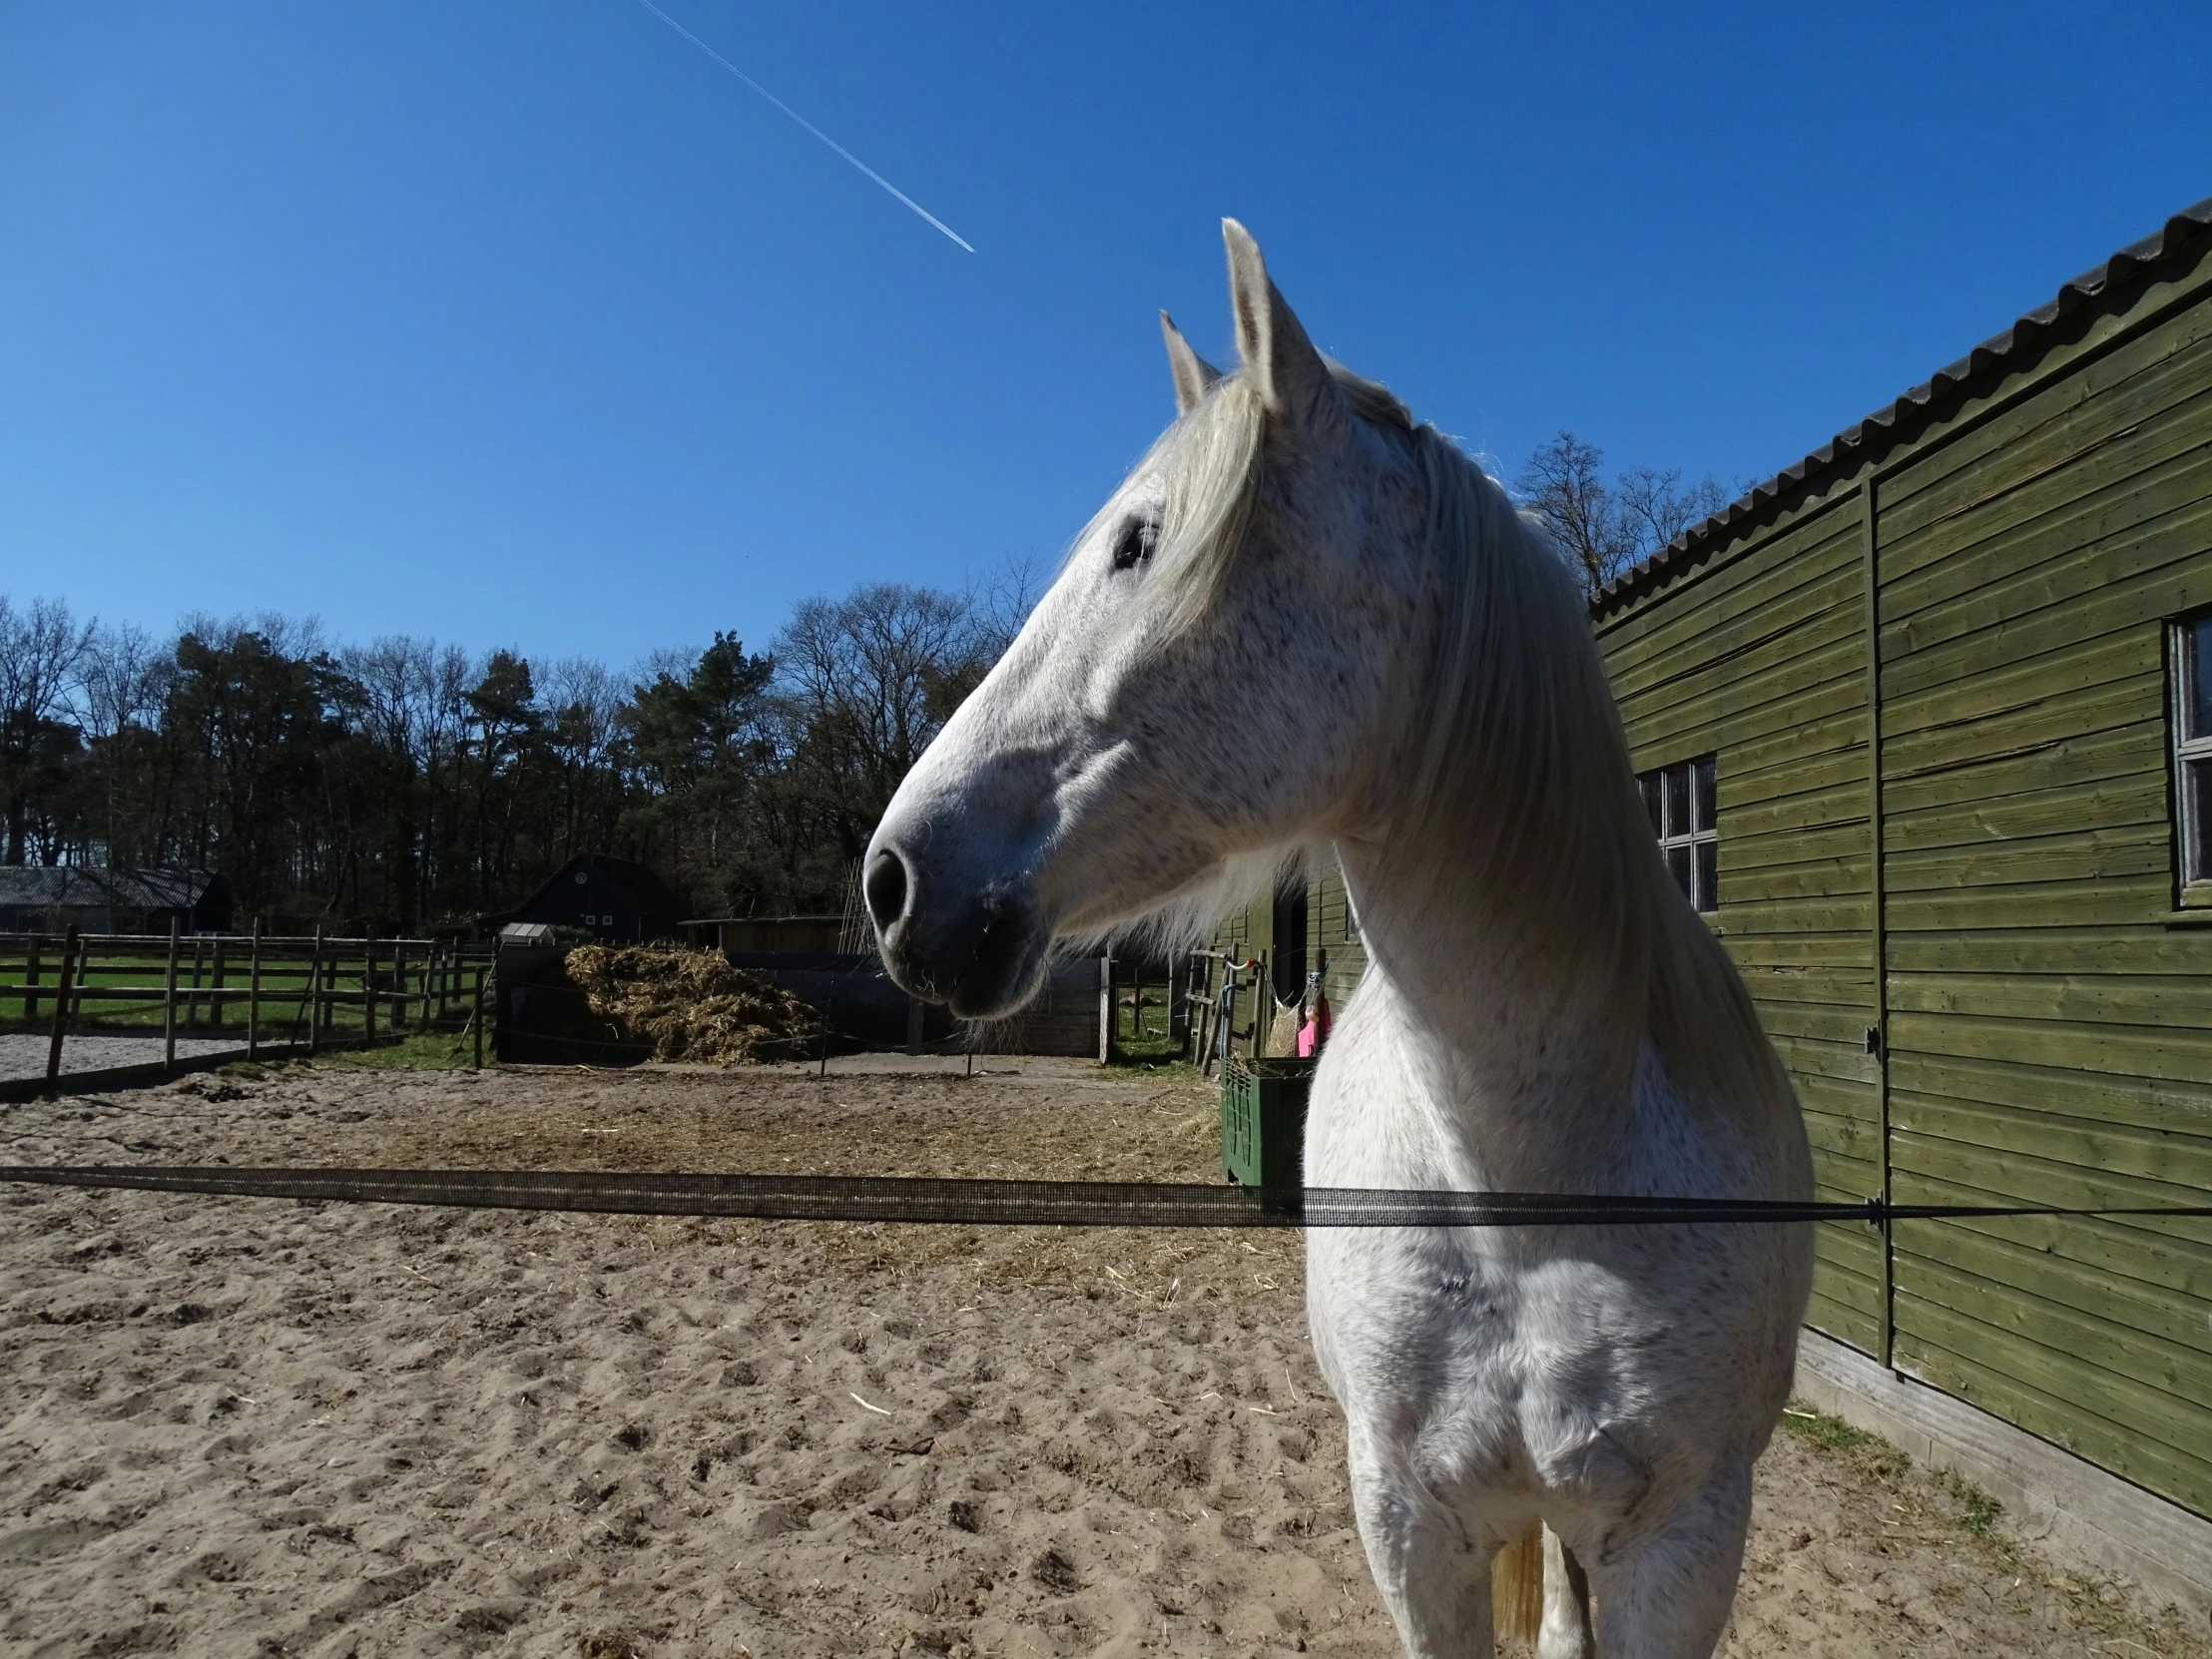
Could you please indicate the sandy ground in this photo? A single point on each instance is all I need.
(240, 1426)
(23, 1054)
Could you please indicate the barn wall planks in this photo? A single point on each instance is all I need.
(2025, 591)
(2047, 1021)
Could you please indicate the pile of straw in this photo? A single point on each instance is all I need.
(692, 1006)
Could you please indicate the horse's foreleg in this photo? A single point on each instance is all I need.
(1565, 1633)
(1434, 1578)
(1669, 1598)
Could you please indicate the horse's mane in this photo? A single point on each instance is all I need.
(1522, 770)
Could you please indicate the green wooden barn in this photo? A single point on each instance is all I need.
(1925, 722)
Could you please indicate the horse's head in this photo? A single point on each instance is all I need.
(1202, 688)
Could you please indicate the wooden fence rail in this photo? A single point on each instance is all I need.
(337, 988)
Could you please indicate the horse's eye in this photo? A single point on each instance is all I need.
(1138, 538)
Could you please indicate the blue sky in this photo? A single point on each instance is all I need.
(526, 325)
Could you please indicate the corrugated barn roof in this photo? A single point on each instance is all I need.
(1927, 401)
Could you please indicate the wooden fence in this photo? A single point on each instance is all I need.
(300, 992)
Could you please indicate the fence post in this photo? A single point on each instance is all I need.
(477, 1022)
(314, 992)
(215, 994)
(61, 1006)
(30, 980)
(254, 995)
(913, 1025)
(1105, 1009)
(192, 1002)
(369, 994)
(169, 998)
(398, 988)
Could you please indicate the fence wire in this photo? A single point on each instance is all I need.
(969, 1203)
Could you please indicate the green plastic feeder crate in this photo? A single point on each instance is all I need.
(1262, 1121)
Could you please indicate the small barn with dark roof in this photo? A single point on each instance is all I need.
(618, 899)
(52, 898)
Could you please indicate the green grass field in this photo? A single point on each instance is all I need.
(283, 999)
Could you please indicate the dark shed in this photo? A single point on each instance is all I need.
(50, 898)
(616, 898)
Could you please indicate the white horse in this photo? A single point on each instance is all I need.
(1415, 689)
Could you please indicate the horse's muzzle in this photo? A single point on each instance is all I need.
(982, 953)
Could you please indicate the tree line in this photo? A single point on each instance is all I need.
(410, 785)
(1602, 528)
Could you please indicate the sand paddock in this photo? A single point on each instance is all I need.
(244, 1426)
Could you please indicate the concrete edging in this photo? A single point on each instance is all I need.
(2065, 1505)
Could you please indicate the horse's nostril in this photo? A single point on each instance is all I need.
(887, 888)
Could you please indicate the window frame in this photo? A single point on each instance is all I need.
(2184, 749)
(1701, 806)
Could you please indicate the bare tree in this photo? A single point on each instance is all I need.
(1001, 606)
(863, 683)
(1603, 529)
(42, 651)
(1562, 488)
(587, 695)
(1654, 508)
(124, 678)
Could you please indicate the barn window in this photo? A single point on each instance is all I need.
(1680, 799)
(2191, 724)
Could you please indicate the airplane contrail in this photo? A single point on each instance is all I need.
(809, 125)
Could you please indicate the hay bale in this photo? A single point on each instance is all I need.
(692, 1006)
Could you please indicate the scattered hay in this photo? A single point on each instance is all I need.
(692, 1006)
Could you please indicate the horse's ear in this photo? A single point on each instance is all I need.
(1278, 358)
(1193, 374)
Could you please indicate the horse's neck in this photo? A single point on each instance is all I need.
(1512, 1062)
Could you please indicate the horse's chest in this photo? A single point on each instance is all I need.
(1429, 1305)
(1496, 1373)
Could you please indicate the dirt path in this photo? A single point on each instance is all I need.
(236, 1426)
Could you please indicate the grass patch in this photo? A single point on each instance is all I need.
(1972, 1510)
(1150, 1056)
(1869, 1454)
(1978, 1512)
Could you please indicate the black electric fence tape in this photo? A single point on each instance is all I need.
(864, 1198)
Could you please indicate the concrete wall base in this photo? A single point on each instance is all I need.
(2073, 1511)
